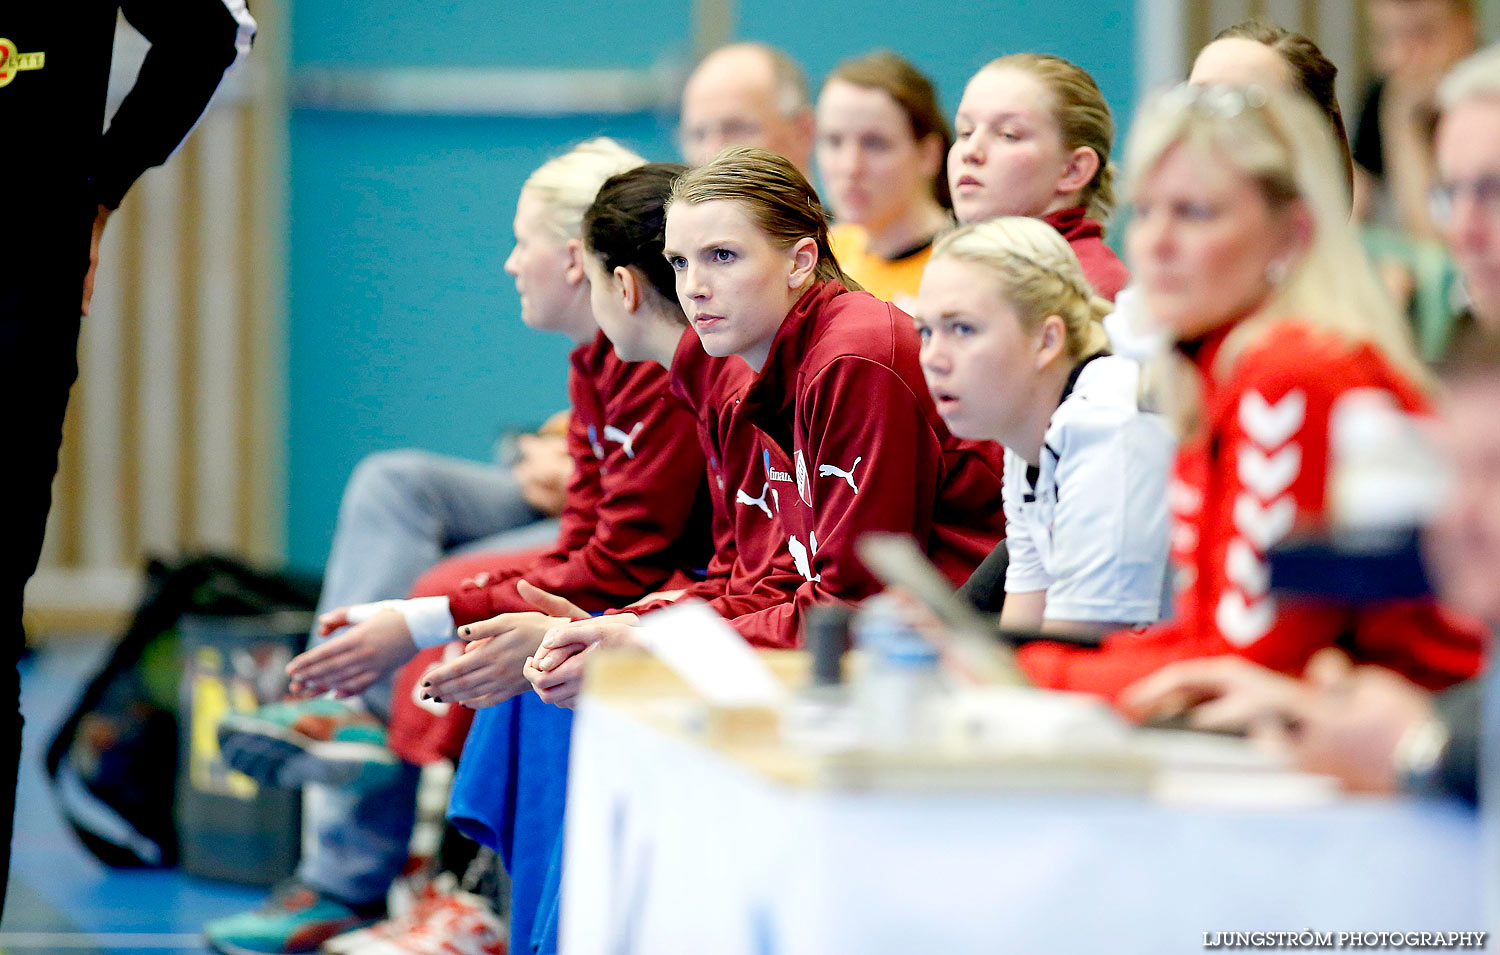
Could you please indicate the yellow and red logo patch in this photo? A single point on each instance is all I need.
(12, 61)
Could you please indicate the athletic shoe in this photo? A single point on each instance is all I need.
(297, 918)
(453, 923)
(295, 742)
(414, 909)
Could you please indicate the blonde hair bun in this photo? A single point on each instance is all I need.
(1039, 276)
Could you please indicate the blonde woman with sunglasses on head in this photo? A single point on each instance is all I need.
(1243, 250)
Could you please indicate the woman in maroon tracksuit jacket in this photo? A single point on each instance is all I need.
(849, 439)
(635, 303)
(636, 510)
(1032, 138)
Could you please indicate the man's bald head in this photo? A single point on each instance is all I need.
(747, 94)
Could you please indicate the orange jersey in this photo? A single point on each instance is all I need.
(893, 280)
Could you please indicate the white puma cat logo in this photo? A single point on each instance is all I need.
(828, 470)
(800, 555)
(741, 497)
(626, 441)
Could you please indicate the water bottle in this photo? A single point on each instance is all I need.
(900, 689)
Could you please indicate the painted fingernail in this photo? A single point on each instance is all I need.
(426, 696)
(466, 631)
(427, 683)
(437, 699)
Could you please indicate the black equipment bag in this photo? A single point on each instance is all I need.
(113, 763)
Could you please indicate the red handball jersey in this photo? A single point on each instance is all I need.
(752, 569)
(851, 442)
(1258, 468)
(1104, 270)
(637, 508)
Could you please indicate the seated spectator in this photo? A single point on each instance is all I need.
(747, 94)
(635, 303)
(628, 433)
(1244, 253)
(624, 431)
(636, 515)
(1251, 53)
(1014, 352)
(1373, 729)
(1413, 43)
(1033, 138)
(849, 437)
(882, 139)
(1466, 196)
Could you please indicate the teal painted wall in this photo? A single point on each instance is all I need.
(403, 329)
(487, 32)
(949, 41)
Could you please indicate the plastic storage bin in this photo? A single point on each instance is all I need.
(230, 827)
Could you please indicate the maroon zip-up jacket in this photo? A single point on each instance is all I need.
(637, 507)
(1104, 270)
(851, 442)
(752, 568)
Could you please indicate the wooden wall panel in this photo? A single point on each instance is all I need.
(168, 444)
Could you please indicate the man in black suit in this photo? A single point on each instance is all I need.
(61, 176)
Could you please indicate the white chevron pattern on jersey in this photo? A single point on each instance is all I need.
(1264, 526)
(1267, 465)
(1246, 571)
(1244, 623)
(1271, 426)
(1269, 476)
(1184, 499)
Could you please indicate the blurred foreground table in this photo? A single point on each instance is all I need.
(688, 838)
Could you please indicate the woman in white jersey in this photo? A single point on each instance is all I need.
(1013, 350)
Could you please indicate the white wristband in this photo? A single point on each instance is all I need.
(429, 619)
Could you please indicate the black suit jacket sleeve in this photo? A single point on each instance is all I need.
(193, 43)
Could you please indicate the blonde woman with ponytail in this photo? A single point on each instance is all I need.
(1014, 351)
(1032, 138)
